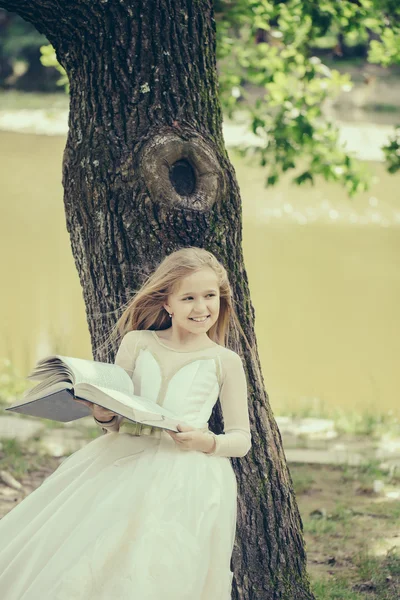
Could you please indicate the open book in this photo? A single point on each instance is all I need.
(62, 378)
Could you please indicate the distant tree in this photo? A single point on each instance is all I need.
(20, 42)
(5, 62)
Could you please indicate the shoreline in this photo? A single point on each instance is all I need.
(362, 138)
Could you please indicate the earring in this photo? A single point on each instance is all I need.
(170, 315)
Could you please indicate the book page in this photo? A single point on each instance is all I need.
(41, 390)
(97, 373)
(134, 408)
(130, 401)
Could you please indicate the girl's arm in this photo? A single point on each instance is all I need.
(236, 439)
(124, 358)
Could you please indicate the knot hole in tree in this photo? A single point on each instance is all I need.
(183, 177)
(182, 173)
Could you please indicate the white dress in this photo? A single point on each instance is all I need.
(132, 517)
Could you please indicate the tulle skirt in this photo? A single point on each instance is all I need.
(124, 518)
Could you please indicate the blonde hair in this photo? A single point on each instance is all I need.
(146, 311)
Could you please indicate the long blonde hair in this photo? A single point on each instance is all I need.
(146, 311)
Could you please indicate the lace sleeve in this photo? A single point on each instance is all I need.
(125, 359)
(236, 439)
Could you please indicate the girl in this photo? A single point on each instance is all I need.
(143, 513)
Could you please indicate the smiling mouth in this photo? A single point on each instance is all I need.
(199, 320)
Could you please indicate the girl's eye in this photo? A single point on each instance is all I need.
(191, 296)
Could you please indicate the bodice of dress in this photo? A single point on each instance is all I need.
(189, 383)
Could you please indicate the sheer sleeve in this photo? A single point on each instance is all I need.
(236, 439)
(125, 359)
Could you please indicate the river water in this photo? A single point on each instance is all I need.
(324, 275)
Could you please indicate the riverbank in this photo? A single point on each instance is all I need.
(362, 132)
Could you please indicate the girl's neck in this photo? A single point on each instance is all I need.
(185, 343)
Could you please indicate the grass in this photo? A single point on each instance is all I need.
(20, 458)
(368, 423)
(334, 590)
(16, 460)
(366, 473)
(351, 532)
(381, 575)
(13, 100)
(12, 385)
(382, 107)
(89, 433)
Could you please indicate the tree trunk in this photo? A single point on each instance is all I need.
(146, 172)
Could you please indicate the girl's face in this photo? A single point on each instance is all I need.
(197, 296)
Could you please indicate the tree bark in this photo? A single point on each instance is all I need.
(145, 172)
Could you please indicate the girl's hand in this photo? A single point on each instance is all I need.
(189, 438)
(100, 413)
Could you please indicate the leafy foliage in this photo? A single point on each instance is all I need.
(49, 59)
(17, 36)
(268, 45)
(270, 78)
(12, 385)
(392, 152)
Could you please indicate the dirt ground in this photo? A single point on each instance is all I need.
(37, 470)
(352, 532)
